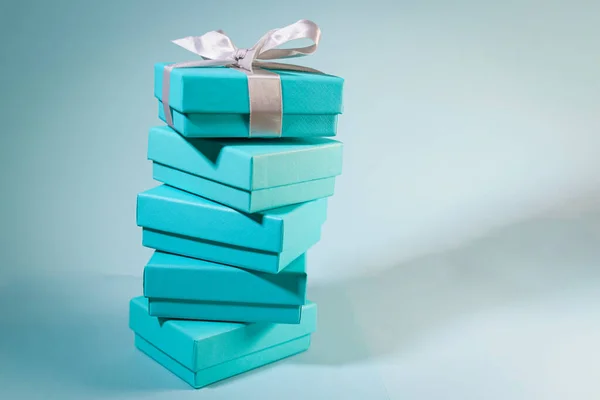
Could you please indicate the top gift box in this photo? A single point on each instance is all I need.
(233, 92)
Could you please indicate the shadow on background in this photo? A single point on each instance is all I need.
(75, 332)
(388, 311)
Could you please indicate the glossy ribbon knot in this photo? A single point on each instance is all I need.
(264, 86)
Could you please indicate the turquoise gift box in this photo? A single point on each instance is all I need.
(247, 175)
(186, 288)
(204, 352)
(214, 102)
(178, 222)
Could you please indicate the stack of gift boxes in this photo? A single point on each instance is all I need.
(231, 222)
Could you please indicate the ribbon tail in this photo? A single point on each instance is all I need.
(303, 29)
(166, 89)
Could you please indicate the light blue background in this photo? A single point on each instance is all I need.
(460, 256)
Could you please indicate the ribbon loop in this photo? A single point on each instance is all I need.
(214, 45)
(303, 29)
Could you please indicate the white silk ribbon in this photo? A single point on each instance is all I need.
(264, 86)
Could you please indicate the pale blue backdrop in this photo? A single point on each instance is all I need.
(445, 269)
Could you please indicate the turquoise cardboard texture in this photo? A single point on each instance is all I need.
(197, 345)
(250, 176)
(238, 125)
(248, 202)
(221, 90)
(169, 276)
(174, 211)
(247, 164)
(227, 369)
(230, 255)
(221, 311)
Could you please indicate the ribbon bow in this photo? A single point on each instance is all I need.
(217, 50)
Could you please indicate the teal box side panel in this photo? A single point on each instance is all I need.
(169, 276)
(230, 255)
(220, 311)
(241, 200)
(200, 125)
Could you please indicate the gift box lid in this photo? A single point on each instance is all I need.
(169, 276)
(246, 164)
(225, 90)
(249, 202)
(171, 210)
(201, 344)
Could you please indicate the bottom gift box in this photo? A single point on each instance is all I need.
(204, 352)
